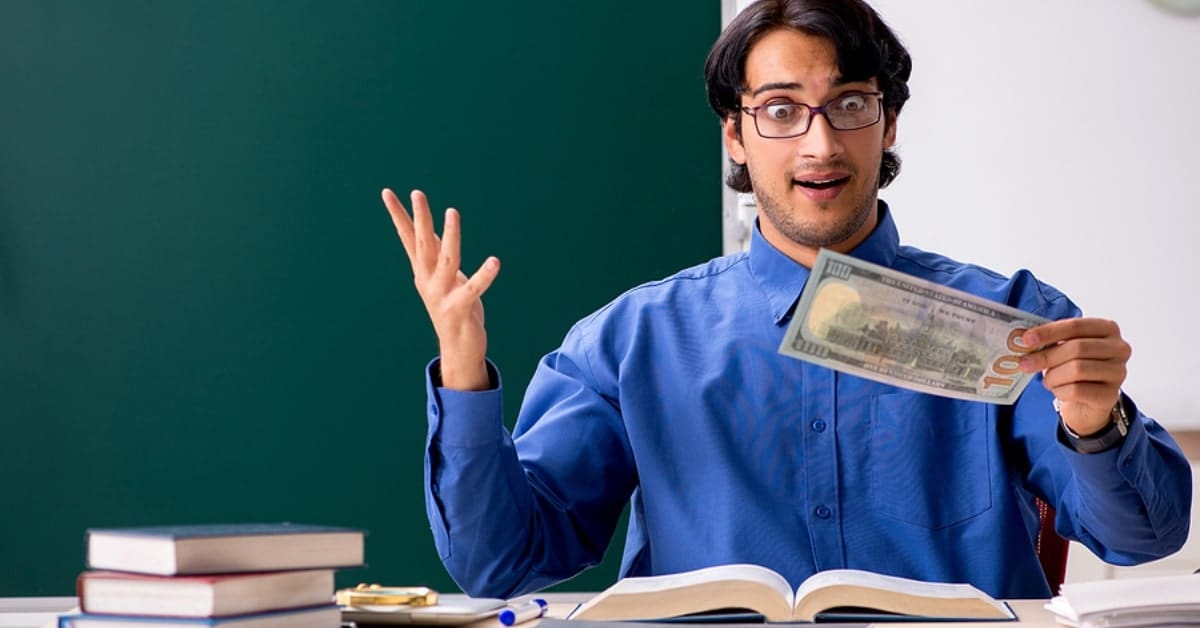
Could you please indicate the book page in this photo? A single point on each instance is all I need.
(849, 587)
(869, 580)
(1110, 595)
(738, 586)
(745, 572)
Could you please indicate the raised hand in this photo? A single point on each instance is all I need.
(452, 299)
(1083, 364)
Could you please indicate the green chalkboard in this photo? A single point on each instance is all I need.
(204, 312)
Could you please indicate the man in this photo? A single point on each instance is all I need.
(673, 398)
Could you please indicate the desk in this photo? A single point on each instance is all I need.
(41, 612)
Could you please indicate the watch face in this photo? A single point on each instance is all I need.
(1180, 7)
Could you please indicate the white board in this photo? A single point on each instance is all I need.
(1064, 137)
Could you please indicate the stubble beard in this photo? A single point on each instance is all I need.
(814, 233)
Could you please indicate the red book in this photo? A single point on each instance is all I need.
(319, 617)
(110, 592)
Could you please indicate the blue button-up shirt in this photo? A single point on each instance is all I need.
(673, 398)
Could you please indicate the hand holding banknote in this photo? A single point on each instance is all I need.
(1083, 365)
(881, 324)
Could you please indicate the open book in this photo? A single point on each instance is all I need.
(758, 589)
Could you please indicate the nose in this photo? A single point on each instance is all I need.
(821, 142)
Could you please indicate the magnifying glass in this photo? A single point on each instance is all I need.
(378, 595)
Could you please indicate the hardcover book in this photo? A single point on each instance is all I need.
(845, 592)
(324, 617)
(232, 548)
(202, 596)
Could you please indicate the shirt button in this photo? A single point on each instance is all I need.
(818, 425)
(823, 512)
(433, 409)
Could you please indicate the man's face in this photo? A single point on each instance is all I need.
(818, 189)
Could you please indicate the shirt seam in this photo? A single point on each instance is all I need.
(960, 267)
(735, 260)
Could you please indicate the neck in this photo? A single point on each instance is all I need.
(805, 253)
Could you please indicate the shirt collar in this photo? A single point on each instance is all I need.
(782, 278)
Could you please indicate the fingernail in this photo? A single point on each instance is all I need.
(1030, 339)
(1027, 364)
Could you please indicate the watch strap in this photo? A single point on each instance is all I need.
(1109, 437)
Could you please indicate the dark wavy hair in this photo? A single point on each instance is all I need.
(866, 48)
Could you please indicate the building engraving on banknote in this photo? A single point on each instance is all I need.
(877, 323)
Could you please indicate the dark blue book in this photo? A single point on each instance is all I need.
(224, 548)
(320, 617)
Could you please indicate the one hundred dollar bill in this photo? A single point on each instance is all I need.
(873, 322)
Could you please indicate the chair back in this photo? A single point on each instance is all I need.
(1051, 548)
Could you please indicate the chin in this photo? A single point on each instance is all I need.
(829, 227)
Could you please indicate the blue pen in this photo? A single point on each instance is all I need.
(533, 609)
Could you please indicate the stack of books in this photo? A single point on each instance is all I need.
(236, 576)
(1150, 601)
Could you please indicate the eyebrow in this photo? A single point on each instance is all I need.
(793, 85)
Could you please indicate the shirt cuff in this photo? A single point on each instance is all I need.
(1127, 458)
(476, 417)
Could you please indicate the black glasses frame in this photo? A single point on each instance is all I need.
(813, 112)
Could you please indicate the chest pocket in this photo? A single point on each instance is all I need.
(930, 459)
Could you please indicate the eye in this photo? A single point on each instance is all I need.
(852, 103)
(782, 112)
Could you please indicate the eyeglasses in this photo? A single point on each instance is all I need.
(847, 112)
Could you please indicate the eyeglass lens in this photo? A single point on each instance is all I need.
(845, 113)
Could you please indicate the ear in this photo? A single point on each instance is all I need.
(733, 144)
(889, 134)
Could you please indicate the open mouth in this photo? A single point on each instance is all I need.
(822, 184)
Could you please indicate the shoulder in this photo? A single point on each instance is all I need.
(679, 293)
(714, 270)
(1022, 289)
(681, 287)
(627, 328)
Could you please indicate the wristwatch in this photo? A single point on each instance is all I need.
(1107, 438)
